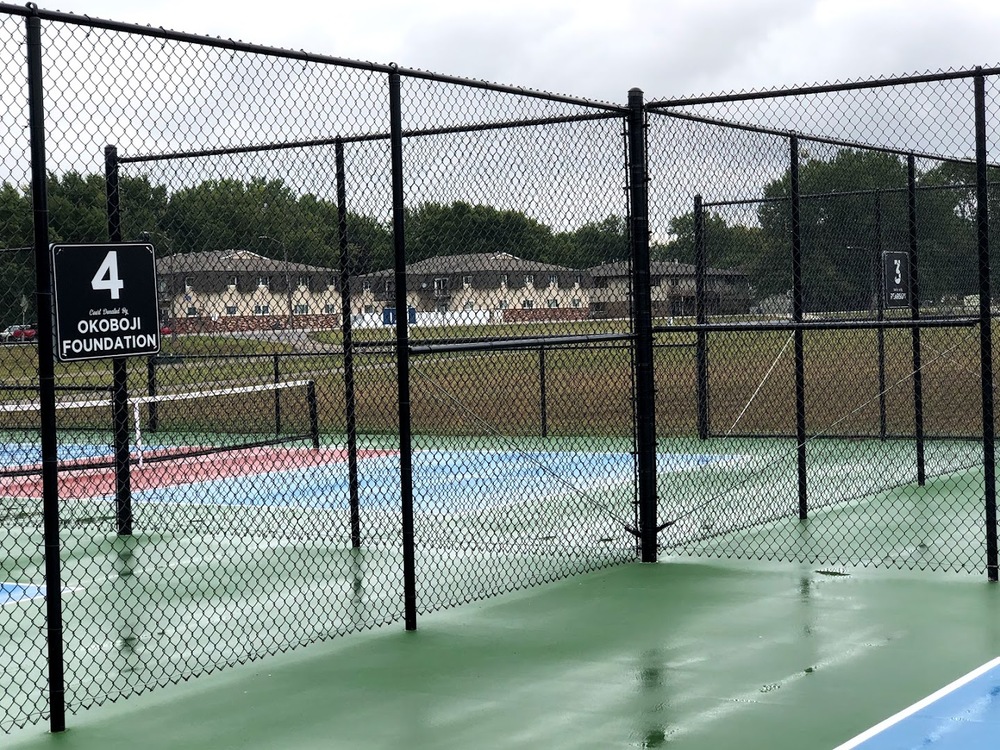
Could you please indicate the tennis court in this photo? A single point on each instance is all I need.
(694, 656)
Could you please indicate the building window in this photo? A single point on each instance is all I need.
(553, 280)
(187, 283)
(553, 303)
(504, 279)
(192, 311)
(527, 304)
(329, 309)
(442, 306)
(529, 279)
(303, 281)
(467, 281)
(230, 309)
(598, 307)
(261, 309)
(300, 310)
(504, 304)
(469, 306)
(366, 286)
(232, 281)
(579, 280)
(369, 309)
(576, 302)
(440, 286)
(264, 281)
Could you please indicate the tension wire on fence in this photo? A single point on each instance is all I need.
(760, 385)
(716, 498)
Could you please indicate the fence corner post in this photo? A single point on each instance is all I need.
(644, 414)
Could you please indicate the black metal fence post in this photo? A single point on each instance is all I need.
(918, 380)
(701, 317)
(645, 397)
(985, 329)
(46, 378)
(402, 355)
(797, 315)
(119, 367)
(542, 395)
(880, 316)
(350, 403)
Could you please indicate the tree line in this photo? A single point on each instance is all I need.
(853, 206)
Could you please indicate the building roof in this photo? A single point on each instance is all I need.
(232, 261)
(480, 262)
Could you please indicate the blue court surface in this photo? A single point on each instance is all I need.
(444, 480)
(963, 715)
(16, 592)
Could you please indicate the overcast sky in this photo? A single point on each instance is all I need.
(598, 49)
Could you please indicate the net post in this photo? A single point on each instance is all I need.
(350, 402)
(542, 394)
(313, 413)
(154, 417)
(276, 379)
(918, 387)
(797, 315)
(645, 396)
(985, 329)
(46, 376)
(402, 355)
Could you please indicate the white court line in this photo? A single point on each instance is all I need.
(919, 705)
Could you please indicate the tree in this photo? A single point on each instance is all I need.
(726, 246)
(593, 243)
(433, 229)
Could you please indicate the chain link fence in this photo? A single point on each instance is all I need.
(425, 340)
(837, 276)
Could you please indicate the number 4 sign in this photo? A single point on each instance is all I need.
(107, 276)
(105, 301)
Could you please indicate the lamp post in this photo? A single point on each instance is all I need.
(288, 282)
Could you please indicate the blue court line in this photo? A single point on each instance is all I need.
(964, 715)
(17, 592)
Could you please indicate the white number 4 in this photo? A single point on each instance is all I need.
(107, 276)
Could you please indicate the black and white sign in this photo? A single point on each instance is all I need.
(896, 278)
(105, 301)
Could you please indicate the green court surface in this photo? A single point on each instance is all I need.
(677, 654)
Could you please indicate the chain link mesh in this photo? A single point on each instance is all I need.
(877, 460)
(279, 438)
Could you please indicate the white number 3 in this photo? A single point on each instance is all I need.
(107, 276)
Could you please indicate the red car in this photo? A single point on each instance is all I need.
(18, 333)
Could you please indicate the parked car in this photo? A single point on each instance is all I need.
(18, 334)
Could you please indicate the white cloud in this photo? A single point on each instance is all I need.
(600, 49)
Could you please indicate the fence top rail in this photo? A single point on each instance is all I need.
(32, 10)
(841, 194)
(820, 325)
(470, 128)
(828, 88)
(840, 142)
(518, 343)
